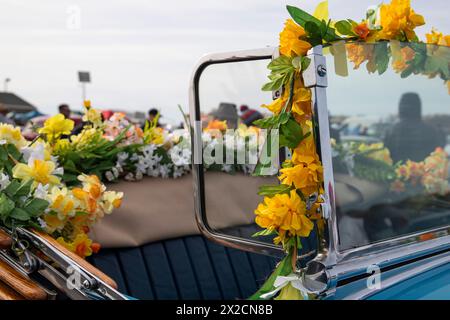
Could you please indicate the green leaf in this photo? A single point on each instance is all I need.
(36, 207)
(344, 27)
(24, 188)
(305, 63)
(271, 190)
(20, 214)
(381, 57)
(12, 188)
(284, 268)
(291, 134)
(6, 205)
(264, 233)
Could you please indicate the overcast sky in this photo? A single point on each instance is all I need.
(141, 53)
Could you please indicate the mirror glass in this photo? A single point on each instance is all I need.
(230, 99)
(389, 107)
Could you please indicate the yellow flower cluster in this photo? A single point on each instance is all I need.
(12, 135)
(285, 214)
(92, 115)
(431, 174)
(437, 38)
(73, 212)
(55, 127)
(376, 151)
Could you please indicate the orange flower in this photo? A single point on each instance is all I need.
(401, 63)
(362, 30)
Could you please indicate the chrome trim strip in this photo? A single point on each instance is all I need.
(393, 280)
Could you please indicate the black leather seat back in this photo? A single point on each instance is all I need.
(186, 268)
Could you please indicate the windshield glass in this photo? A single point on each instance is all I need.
(389, 108)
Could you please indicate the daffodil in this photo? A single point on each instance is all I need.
(285, 214)
(81, 245)
(56, 126)
(398, 20)
(291, 43)
(62, 202)
(53, 223)
(12, 135)
(437, 38)
(40, 171)
(111, 200)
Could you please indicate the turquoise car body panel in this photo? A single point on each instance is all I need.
(433, 284)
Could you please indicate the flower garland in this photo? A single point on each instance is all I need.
(290, 210)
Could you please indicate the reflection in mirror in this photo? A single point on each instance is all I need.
(389, 111)
(230, 99)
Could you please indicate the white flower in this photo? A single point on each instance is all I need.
(139, 175)
(42, 223)
(295, 281)
(2, 142)
(41, 191)
(109, 176)
(4, 181)
(34, 152)
(129, 177)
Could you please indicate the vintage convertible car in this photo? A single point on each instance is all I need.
(384, 238)
(380, 243)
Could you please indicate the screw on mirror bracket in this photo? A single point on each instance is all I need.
(321, 70)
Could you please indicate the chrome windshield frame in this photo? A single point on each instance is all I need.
(345, 264)
(196, 140)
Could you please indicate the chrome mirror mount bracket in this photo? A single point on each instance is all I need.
(317, 276)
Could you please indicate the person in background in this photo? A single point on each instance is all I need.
(3, 117)
(152, 114)
(411, 138)
(248, 116)
(64, 109)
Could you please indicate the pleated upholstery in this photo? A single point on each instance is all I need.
(186, 268)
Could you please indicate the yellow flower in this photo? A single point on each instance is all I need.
(301, 101)
(40, 171)
(376, 151)
(53, 223)
(288, 292)
(154, 135)
(87, 104)
(56, 126)
(217, 125)
(12, 135)
(290, 40)
(62, 202)
(61, 146)
(438, 38)
(81, 245)
(398, 20)
(305, 176)
(93, 116)
(111, 200)
(358, 53)
(285, 214)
